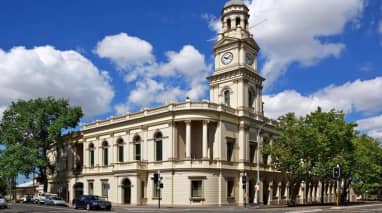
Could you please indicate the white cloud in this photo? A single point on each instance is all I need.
(125, 50)
(372, 126)
(356, 96)
(45, 71)
(292, 30)
(293, 27)
(182, 74)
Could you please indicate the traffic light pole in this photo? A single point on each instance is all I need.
(158, 188)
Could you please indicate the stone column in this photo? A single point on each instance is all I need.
(318, 191)
(286, 192)
(97, 153)
(278, 193)
(205, 139)
(188, 140)
(269, 159)
(74, 158)
(261, 192)
(242, 142)
(174, 141)
(309, 193)
(270, 193)
(114, 150)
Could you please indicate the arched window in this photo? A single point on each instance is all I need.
(251, 97)
(245, 23)
(137, 147)
(120, 150)
(227, 97)
(229, 23)
(91, 155)
(105, 154)
(158, 146)
(238, 24)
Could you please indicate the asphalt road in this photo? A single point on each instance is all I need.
(33, 208)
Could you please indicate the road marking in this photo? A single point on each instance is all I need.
(305, 211)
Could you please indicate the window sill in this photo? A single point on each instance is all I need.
(197, 199)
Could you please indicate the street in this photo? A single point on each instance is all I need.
(31, 208)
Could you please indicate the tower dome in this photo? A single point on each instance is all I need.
(233, 2)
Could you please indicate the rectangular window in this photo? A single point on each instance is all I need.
(196, 189)
(230, 146)
(230, 188)
(92, 159)
(105, 189)
(105, 157)
(120, 153)
(252, 150)
(158, 151)
(138, 151)
(90, 188)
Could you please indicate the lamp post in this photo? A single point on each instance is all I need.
(258, 162)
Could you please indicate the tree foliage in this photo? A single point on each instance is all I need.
(29, 129)
(311, 146)
(367, 167)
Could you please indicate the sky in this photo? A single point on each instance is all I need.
(115, 57)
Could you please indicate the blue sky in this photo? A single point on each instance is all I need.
(113, 57)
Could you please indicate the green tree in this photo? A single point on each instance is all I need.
(367, 167)
(309, 147)
(29, 129)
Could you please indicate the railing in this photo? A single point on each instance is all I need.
(189, 105)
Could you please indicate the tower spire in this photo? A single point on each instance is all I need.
(234, 19)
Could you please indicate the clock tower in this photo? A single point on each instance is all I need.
(235, 81)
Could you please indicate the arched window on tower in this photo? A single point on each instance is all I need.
(227, 97)
(105, 153)
(251, 97)
(91, 155)
(229, 23)
(245, 23)
(120, 150)
(158, 146)
(238, 20)
(137, 147)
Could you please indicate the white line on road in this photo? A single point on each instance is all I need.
(305, 211)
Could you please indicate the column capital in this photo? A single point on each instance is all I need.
(187, 121)
(206, 121)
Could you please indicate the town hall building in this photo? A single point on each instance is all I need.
(204, 152)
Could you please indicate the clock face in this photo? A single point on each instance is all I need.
(227, 58)
(249, 58)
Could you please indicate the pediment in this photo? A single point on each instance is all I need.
(229, 40)
(225, 41)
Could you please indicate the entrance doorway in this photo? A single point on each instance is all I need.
(78, 189)
(126, 191)
(251, 191)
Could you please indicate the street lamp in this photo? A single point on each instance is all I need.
(258, 162)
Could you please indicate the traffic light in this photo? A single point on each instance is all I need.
(244, 181)
(156, 177)
(336, 172)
